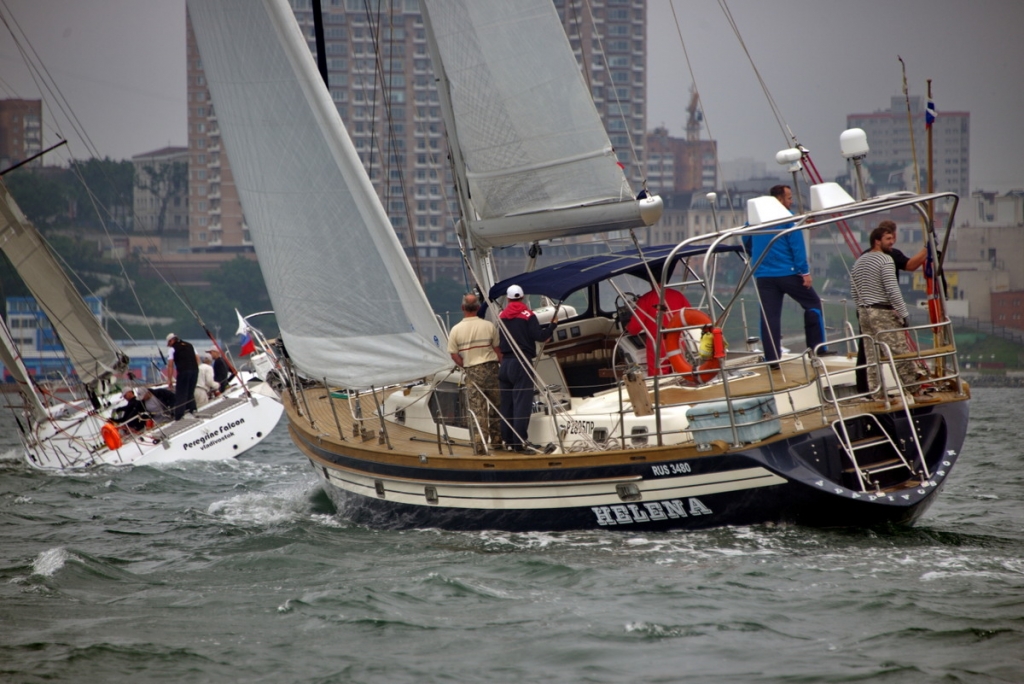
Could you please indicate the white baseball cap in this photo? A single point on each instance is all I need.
(514, 292)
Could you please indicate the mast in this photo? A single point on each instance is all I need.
(931, 176)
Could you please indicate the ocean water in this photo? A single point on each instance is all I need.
(244, 572)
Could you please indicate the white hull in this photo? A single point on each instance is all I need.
(220, 430)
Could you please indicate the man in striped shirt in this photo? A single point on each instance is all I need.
(880, 307)
(903, 263)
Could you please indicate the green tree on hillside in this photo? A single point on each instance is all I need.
(103, 190)
(165, 182)
(44, 198)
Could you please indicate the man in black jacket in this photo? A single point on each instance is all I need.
(185, 364)
(133, 414)
(518, 336)
(222, 375)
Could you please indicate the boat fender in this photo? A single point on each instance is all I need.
(111, 437)
(673, 348)
(718, 343)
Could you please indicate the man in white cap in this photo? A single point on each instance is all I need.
(519, 333)
(183, 362)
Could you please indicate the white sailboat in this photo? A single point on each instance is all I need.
(68, 434)
(378, 408)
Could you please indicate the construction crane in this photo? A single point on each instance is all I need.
(695, 118)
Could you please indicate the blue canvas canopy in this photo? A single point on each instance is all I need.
(558, 281)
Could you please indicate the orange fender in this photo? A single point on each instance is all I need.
(111, 436)
(672, 344)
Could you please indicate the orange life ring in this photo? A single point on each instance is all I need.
(111, 436)
(672, 344)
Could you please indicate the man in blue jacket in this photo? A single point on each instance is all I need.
(784, 271)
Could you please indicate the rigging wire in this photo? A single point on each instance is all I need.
(638, 159)
(700, 102)
(381, 76)
(47, 85)
(776, 111)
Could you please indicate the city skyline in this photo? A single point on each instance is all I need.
(820, 61)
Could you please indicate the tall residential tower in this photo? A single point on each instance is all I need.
(381, 80)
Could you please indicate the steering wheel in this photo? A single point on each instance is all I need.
(624, 311)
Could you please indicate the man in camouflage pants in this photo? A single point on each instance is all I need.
(473, 345)
(880, 306)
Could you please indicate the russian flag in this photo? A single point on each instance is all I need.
(245, 339)
(930, 113)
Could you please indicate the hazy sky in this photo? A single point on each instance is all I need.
(120, 64)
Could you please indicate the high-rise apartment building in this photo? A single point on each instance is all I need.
(216, 222)
(890, 162)
(609, 39)
(21, 131)
(381, 80)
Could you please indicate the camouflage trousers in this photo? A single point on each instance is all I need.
(873, 322)
(481, 387)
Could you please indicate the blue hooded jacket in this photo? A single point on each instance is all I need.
(788, 255)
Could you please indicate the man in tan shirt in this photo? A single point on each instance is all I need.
(473, 344)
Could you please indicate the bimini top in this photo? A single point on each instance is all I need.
(558, 281)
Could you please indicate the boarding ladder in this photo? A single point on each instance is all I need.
(887, 456)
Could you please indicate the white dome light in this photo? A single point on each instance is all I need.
(853, 143)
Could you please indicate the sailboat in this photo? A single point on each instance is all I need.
(377, 406)
(60, 434)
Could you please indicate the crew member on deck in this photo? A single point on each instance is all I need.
(133, 414)
(519, 333)
(184, 363)
(903, 263)
(222, 374)
(473, 345)
(881, 311)
(783, 271)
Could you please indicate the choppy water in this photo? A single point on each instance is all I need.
(243, 571)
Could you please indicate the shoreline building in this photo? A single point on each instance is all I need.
(889, 165)
(43, 353)
(160, 191)
(21, 131)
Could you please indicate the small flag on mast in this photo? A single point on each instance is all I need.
(930, 113)
(245, 339)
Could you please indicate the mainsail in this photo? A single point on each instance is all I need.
(530, 138)
(93, 354)
(347, 301)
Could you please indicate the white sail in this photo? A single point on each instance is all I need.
(530, 137)
(93, 354)
(10, 358)
(348, 303)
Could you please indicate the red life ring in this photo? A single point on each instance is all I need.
(673, 350)
(111, 436)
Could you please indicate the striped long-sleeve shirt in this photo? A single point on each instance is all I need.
(874, 282)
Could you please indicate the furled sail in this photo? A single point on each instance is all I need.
(536, 155)
(93, 354)
(347, 301)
